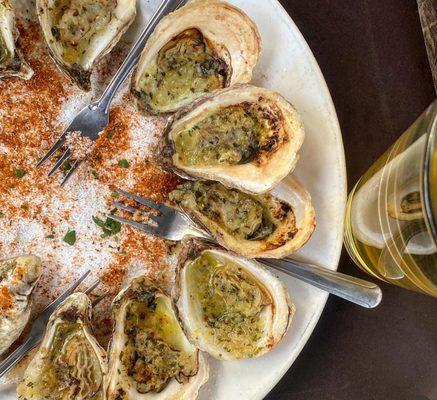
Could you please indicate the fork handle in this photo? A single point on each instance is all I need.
(166, 7)
(17, 355)
(358, 291)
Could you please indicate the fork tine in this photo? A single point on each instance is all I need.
(64, 295)
(93, 286)
(8, 363)
(61, 161)
(151, 230)
(124, 207)
(52, 149)
(97, 300)
(142, 200)
(71, 171)
(133, 210)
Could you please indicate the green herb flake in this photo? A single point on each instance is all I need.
(2, 214)
(95, 175)
(123, 163)
(19, 173)
(50, 236)
(109, 227)
(24, 207)
(70, 238)
(66, 166)
(115, 194)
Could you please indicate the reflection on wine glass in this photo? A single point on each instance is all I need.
(390, 219)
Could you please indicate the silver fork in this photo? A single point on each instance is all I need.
(95, 117)
(173, 225)
(39, 325)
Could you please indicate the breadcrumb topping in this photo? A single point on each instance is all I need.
(36, 214)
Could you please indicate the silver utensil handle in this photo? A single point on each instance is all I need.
(166, 7)
(15, 357)
(358, 291)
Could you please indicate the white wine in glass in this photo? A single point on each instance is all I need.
(391, 218)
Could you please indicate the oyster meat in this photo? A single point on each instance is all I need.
(244, 137)
(79, 33)
(229, 306)
(149, 355)
(204, 46)
(270, 225)
(11, 60)
(18, 278)
(69, 364)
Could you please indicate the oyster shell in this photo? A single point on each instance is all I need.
(79, 33)
(18, 278)
(203, 46)
(270, 225)
(69, 364)
(149, 355)
(244, 137)
(405, 204)
(229, 306)
(11, 60)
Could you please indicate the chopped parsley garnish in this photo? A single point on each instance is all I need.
(115, 194)
(123, 163)
(24, 207)
(109, 227)
(95, 174)
(70, 238)
(50, 236)
(66, 166)
(19, 173)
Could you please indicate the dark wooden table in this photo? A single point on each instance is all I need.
(373, 57)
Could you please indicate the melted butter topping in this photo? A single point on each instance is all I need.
(154, 352)
(2, 52)
(75, 22)
(244, 216)
(5, 54)
(232, 302)
(71, 369)
(186, 67)
(231, 135)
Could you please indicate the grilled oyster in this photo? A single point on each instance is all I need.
(271, 225)
(79, 33)
(18, 278)
(11, 60)
(69, 364)
(204, 46)
(149, 356)
(244, 137)
(229, 306)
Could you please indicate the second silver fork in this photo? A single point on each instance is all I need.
(95, 117)
(171, 224)
(39, 325)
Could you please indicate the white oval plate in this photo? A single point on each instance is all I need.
(288, 66)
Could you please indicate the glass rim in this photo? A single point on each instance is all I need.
(428, 184)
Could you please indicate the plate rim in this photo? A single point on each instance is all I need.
(342, 180)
